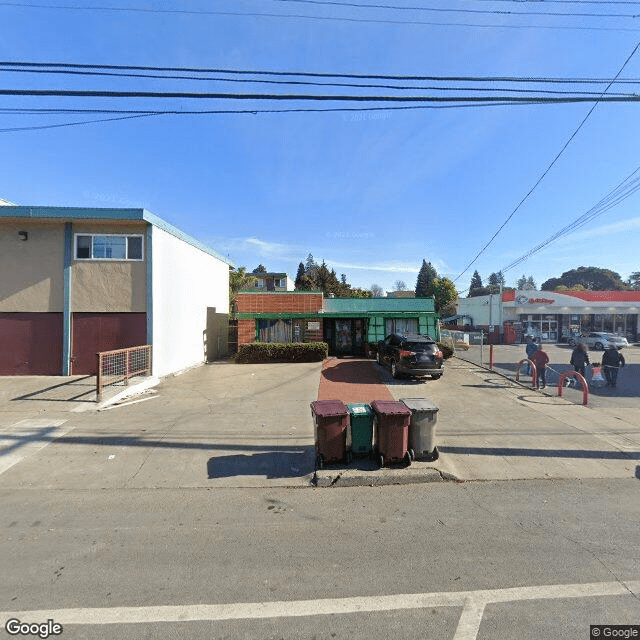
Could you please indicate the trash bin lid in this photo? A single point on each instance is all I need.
(359, 409)
(328, 408)
(390, 408)
(419, 404)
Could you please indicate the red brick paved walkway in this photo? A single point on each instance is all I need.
(351, 381)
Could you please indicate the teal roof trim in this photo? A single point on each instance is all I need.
(69, 214)
(377, 305)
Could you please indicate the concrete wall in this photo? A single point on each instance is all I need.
(108, 286)
(186, 281)
(32, 270)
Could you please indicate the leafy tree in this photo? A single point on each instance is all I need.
(481, 291)
(238, 279)
(376, 291)
(426, 277)
(399, 285)
(444, 293)
(299, 275)
(592, 278)
(634, 280)
(306, 283)
(260, 269)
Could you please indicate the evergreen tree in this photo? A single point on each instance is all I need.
(476, 283)
(310, 265)
(299, 275)
(426, 277)
(260, 269)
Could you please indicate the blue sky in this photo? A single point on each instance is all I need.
(372, 193)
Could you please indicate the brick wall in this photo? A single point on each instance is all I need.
(246, 331)
(279, 302)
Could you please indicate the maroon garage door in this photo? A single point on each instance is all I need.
(94, 332)
(30, 344)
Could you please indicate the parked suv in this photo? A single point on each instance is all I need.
(411, 354)
(599, 340)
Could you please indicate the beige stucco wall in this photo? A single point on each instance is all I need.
(105, 285)
(32, 271)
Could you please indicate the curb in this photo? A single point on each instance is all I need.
(346, 477)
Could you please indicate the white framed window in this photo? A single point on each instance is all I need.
(280, 282)
(108, 246)
(260, 283)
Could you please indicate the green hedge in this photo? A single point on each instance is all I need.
(447, 351)
(257, 352)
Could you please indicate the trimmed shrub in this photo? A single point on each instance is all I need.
(447, 351)
(261, 352)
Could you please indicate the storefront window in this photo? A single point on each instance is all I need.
(274, 330)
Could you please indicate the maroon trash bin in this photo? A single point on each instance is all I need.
(392, 431)
(330, 419)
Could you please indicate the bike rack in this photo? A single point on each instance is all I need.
(580, 378)
(534, 371)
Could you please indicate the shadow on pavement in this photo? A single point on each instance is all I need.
(68, 391)
(271, 464)
(357, 371)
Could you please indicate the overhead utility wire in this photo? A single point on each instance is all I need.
(621, 192)
(596, 2)
(308, 97)
(321, 18)
(472, 11)
(299, 82)
(546, 171)
(318, 74)
(217, 111)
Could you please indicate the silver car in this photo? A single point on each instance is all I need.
(599, 340)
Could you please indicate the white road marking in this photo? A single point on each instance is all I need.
(469, 623)
(24, 438)
(472, 601)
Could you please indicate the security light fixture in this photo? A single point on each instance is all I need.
(23, 235)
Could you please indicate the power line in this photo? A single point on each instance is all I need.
(451, 10)
(312, 17)
(295, 82)
(67, 93)
(316, 74)
(621, 192)
(26, 111)
(541, 178)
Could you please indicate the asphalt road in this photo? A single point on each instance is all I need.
(625, 395)
(495, 560)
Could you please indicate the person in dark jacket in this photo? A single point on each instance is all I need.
(530, 349)
(579, 359)
(612, 361)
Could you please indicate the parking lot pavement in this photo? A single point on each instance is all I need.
(626, 395)
(227, 425)
(216, 425)
(491, 428)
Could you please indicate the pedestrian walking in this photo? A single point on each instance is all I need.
(540, 359)
(612, 361)
(579, 359)
(530, 349)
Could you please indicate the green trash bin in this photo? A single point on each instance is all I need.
(360, 434)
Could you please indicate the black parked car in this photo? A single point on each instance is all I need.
(411, 354)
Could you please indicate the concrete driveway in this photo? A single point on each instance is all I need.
(227, 425)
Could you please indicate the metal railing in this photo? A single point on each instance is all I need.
(117, 367)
